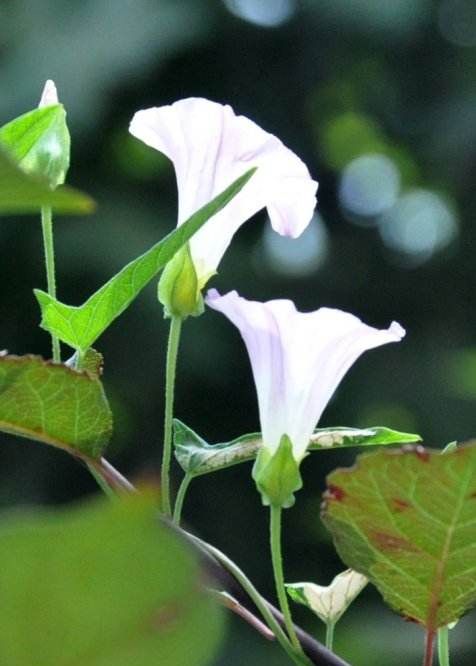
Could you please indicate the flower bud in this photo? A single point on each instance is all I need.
(51, 154)
(277, 474)
(178, 289)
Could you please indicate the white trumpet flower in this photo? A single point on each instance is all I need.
(210, 147)
(298, 359)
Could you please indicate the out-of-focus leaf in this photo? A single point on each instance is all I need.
(196, 456)
(406, 520)
(79, 327)
(105, 584)
(22, 193)
(54, 404)
(39, 143)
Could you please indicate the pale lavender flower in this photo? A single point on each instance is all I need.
(298, 359)
(49, 95)
(210, 147)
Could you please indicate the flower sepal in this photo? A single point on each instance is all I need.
(277, 475)
(39, 140)
(179, 290)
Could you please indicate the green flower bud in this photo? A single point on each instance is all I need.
(277, 475)
(178, 289)
(39, 140)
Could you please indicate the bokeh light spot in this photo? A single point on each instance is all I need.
(418, 225)
(266, 13)
(458, 373)
(350, 135)
(297, 257)
(369, 185)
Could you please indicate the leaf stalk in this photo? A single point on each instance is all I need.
(443, 646)
(182, 491)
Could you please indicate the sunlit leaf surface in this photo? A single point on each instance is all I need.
(406, 519)
(196, 456)
(54, 404)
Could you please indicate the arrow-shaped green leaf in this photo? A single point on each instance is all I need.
(406, 520)
(197, 457)
(79, 327)
(54, 404)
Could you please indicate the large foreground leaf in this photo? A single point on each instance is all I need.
(105, 584)
(21, 192)
(54, 404)
(407, 521)
(79, 327)
(197, 457)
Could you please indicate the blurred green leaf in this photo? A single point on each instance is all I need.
(39, 142)
(54, 404)
(25, 193)
(197, 457)
(105, 584)
(405, 519)
(80, 326)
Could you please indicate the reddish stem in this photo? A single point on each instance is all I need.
(429, 647)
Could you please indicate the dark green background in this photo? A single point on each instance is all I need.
(336, 80)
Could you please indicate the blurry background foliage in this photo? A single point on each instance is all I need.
(379, 99)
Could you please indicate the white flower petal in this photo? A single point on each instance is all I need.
(298, 359)
(49, 95)
(331, 601)
(211, 147)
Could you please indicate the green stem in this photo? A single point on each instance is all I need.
(47, 227)
(443, 647)
(330, 635)
(296, 655)
(277, 558)
(102, 483)
(79, 359)
(110, 480)
(182, 491)
(172, 350)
